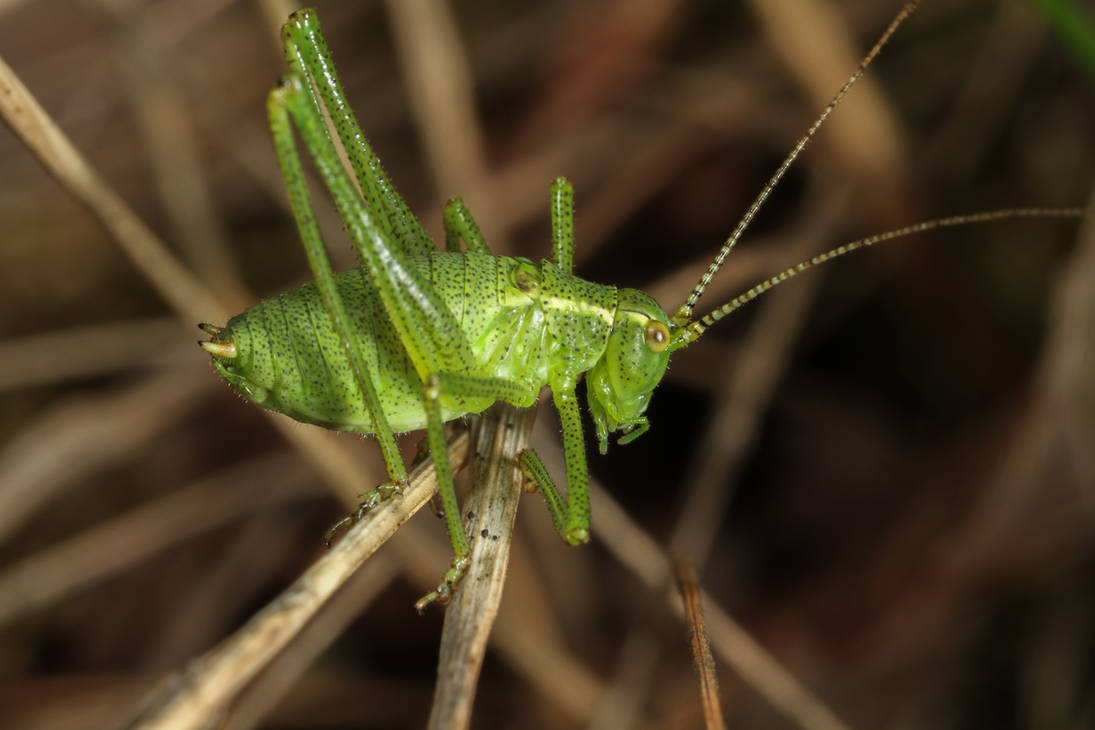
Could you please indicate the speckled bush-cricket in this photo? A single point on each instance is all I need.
(416, 336)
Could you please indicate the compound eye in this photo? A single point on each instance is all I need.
(656, 336)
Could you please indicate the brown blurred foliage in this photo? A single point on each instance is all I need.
(885, 473)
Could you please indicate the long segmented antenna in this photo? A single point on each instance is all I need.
(692, 331)
(683, 316)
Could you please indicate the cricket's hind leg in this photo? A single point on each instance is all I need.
(285, 146)
(308, 57)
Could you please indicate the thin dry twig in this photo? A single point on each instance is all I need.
(86, 434)
(819, 49)
(114, 546)
(179, 287)
(542, 658)
(746, 394)
(701, 647)
(1066, 373)
(212, 682)
(169, 133)
(640, 554)
(440, 89)
(85, 352)
(743, 396)
(269, 689)
(502, 433)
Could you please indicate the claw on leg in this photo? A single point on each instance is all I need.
(528, 481)
(329, 536)
(369, 502)
(421, 453)
(444, 591)
(436, 507)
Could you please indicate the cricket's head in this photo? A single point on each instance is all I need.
(620, 384)
(232, 357)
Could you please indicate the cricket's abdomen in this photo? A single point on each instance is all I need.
(290, 359)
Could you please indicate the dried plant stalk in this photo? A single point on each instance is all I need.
(501, 433)
(208, 687)
(701, 647)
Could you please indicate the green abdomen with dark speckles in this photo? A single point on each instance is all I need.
(520, 320)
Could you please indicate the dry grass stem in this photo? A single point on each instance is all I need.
(558, 673)
(440, 90)
(501, 433)
(112, 547)
(742, 398)
(168, 128)
(517, 637)
(85, 352)
(1067, 375)
(87, 434)
(685, 579)
(189, 297)
(640, 554)
(212, 682)
(818, 45)
(261, 697)
(746, 393)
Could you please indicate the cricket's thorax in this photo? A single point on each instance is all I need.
(523, 322)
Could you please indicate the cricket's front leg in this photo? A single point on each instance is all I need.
(279, 107)
(571, 515)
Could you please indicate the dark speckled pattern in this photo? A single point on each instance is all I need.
(522, 322)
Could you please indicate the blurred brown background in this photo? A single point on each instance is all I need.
(884, 470)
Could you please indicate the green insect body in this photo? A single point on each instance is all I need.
(527, 324)
(417, 336)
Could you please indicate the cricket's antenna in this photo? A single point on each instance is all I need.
(684, 315)
(692, 331)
